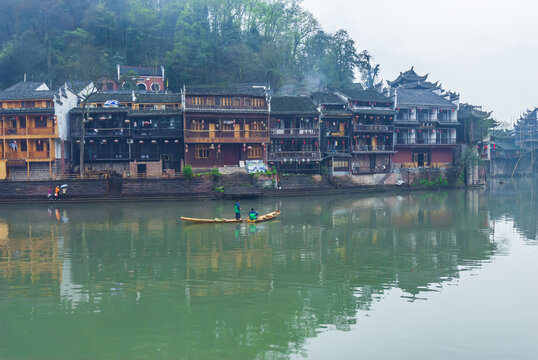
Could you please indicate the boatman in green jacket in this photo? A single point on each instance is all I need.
(237, 210)
(253, 214)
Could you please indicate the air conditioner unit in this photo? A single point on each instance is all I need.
(159, 107)
(129, 141)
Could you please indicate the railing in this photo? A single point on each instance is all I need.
(16, 154)
(294, 132)
(334, 133)
(369, 148)
(294, 155)
(102, 132)
(41, 131)
(373, 128)
(38, 154)
(426, 142)
(157, 132)
(218, 135)
(15, 131)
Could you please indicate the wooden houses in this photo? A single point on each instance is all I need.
(130, 133)
(335, 118)
(225, 126)
(426, 121)
(295, 135)
(28, 131)
(372, 143)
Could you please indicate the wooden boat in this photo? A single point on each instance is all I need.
(265, 217)
(210, 221)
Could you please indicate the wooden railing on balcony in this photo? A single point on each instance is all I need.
(369, 148)
(231, 136)
(41, 131)
(102, 132)
(295, 132)
(16, 155)
(373, 128)
(15, 131)
(294, 155)
(38, 154)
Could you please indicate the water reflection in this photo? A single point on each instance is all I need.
(153, 287)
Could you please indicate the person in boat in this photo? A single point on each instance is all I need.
(253, 214)
(237, 210)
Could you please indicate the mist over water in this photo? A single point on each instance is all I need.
(443, 274)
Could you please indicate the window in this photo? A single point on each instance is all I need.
(39, 145)
(40, 122)
(237, 102)
(341, 164)
(247, 102)
(23, 145)
(29, 104)
(257, 102)
(201, 152)
(256, 125)
(197, 100)
(210, 101)
(226, 101)
(110, 86)
(254, 151)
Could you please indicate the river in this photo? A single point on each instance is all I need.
(424, 275)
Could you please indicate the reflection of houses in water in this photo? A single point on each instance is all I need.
(30, 255)
(215, 266)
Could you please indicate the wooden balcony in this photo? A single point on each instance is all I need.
(297, 133)
(38, 155)
(294, 156)
(15, 155)
(226, 136)
(41, 131)
(373, 128)
(18, 132)
(365, 149)
(11, 155)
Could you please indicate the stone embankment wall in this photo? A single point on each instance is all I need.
(208, 186)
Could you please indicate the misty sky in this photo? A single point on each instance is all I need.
(486, 50)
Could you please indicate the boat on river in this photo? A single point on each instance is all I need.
(210, 221)
(261, 218)
(265, 217)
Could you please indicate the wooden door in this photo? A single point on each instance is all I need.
(211, 131)
(237, 130)
(342, 129)
(247, 130)
(230, 154)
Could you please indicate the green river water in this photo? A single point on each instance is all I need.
(425, 275)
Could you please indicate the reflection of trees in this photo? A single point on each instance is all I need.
(211, 291)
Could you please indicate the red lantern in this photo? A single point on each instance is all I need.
(493, 146)
(304, 142)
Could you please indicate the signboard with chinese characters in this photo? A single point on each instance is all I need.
(255, 166)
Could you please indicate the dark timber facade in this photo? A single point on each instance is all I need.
(225, 126)
(295, 135)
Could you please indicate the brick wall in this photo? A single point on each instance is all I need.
(402, 156)
(153, 168)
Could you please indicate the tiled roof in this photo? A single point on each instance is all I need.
(417, 97)
(27, 91)
(141, 97)
(365, 95)
(157, 98)
(408, 76)
(141, 71)
(373, 111)
(233, 89)
(293, 105)
(326, 98)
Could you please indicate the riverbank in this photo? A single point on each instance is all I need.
(230, 186)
